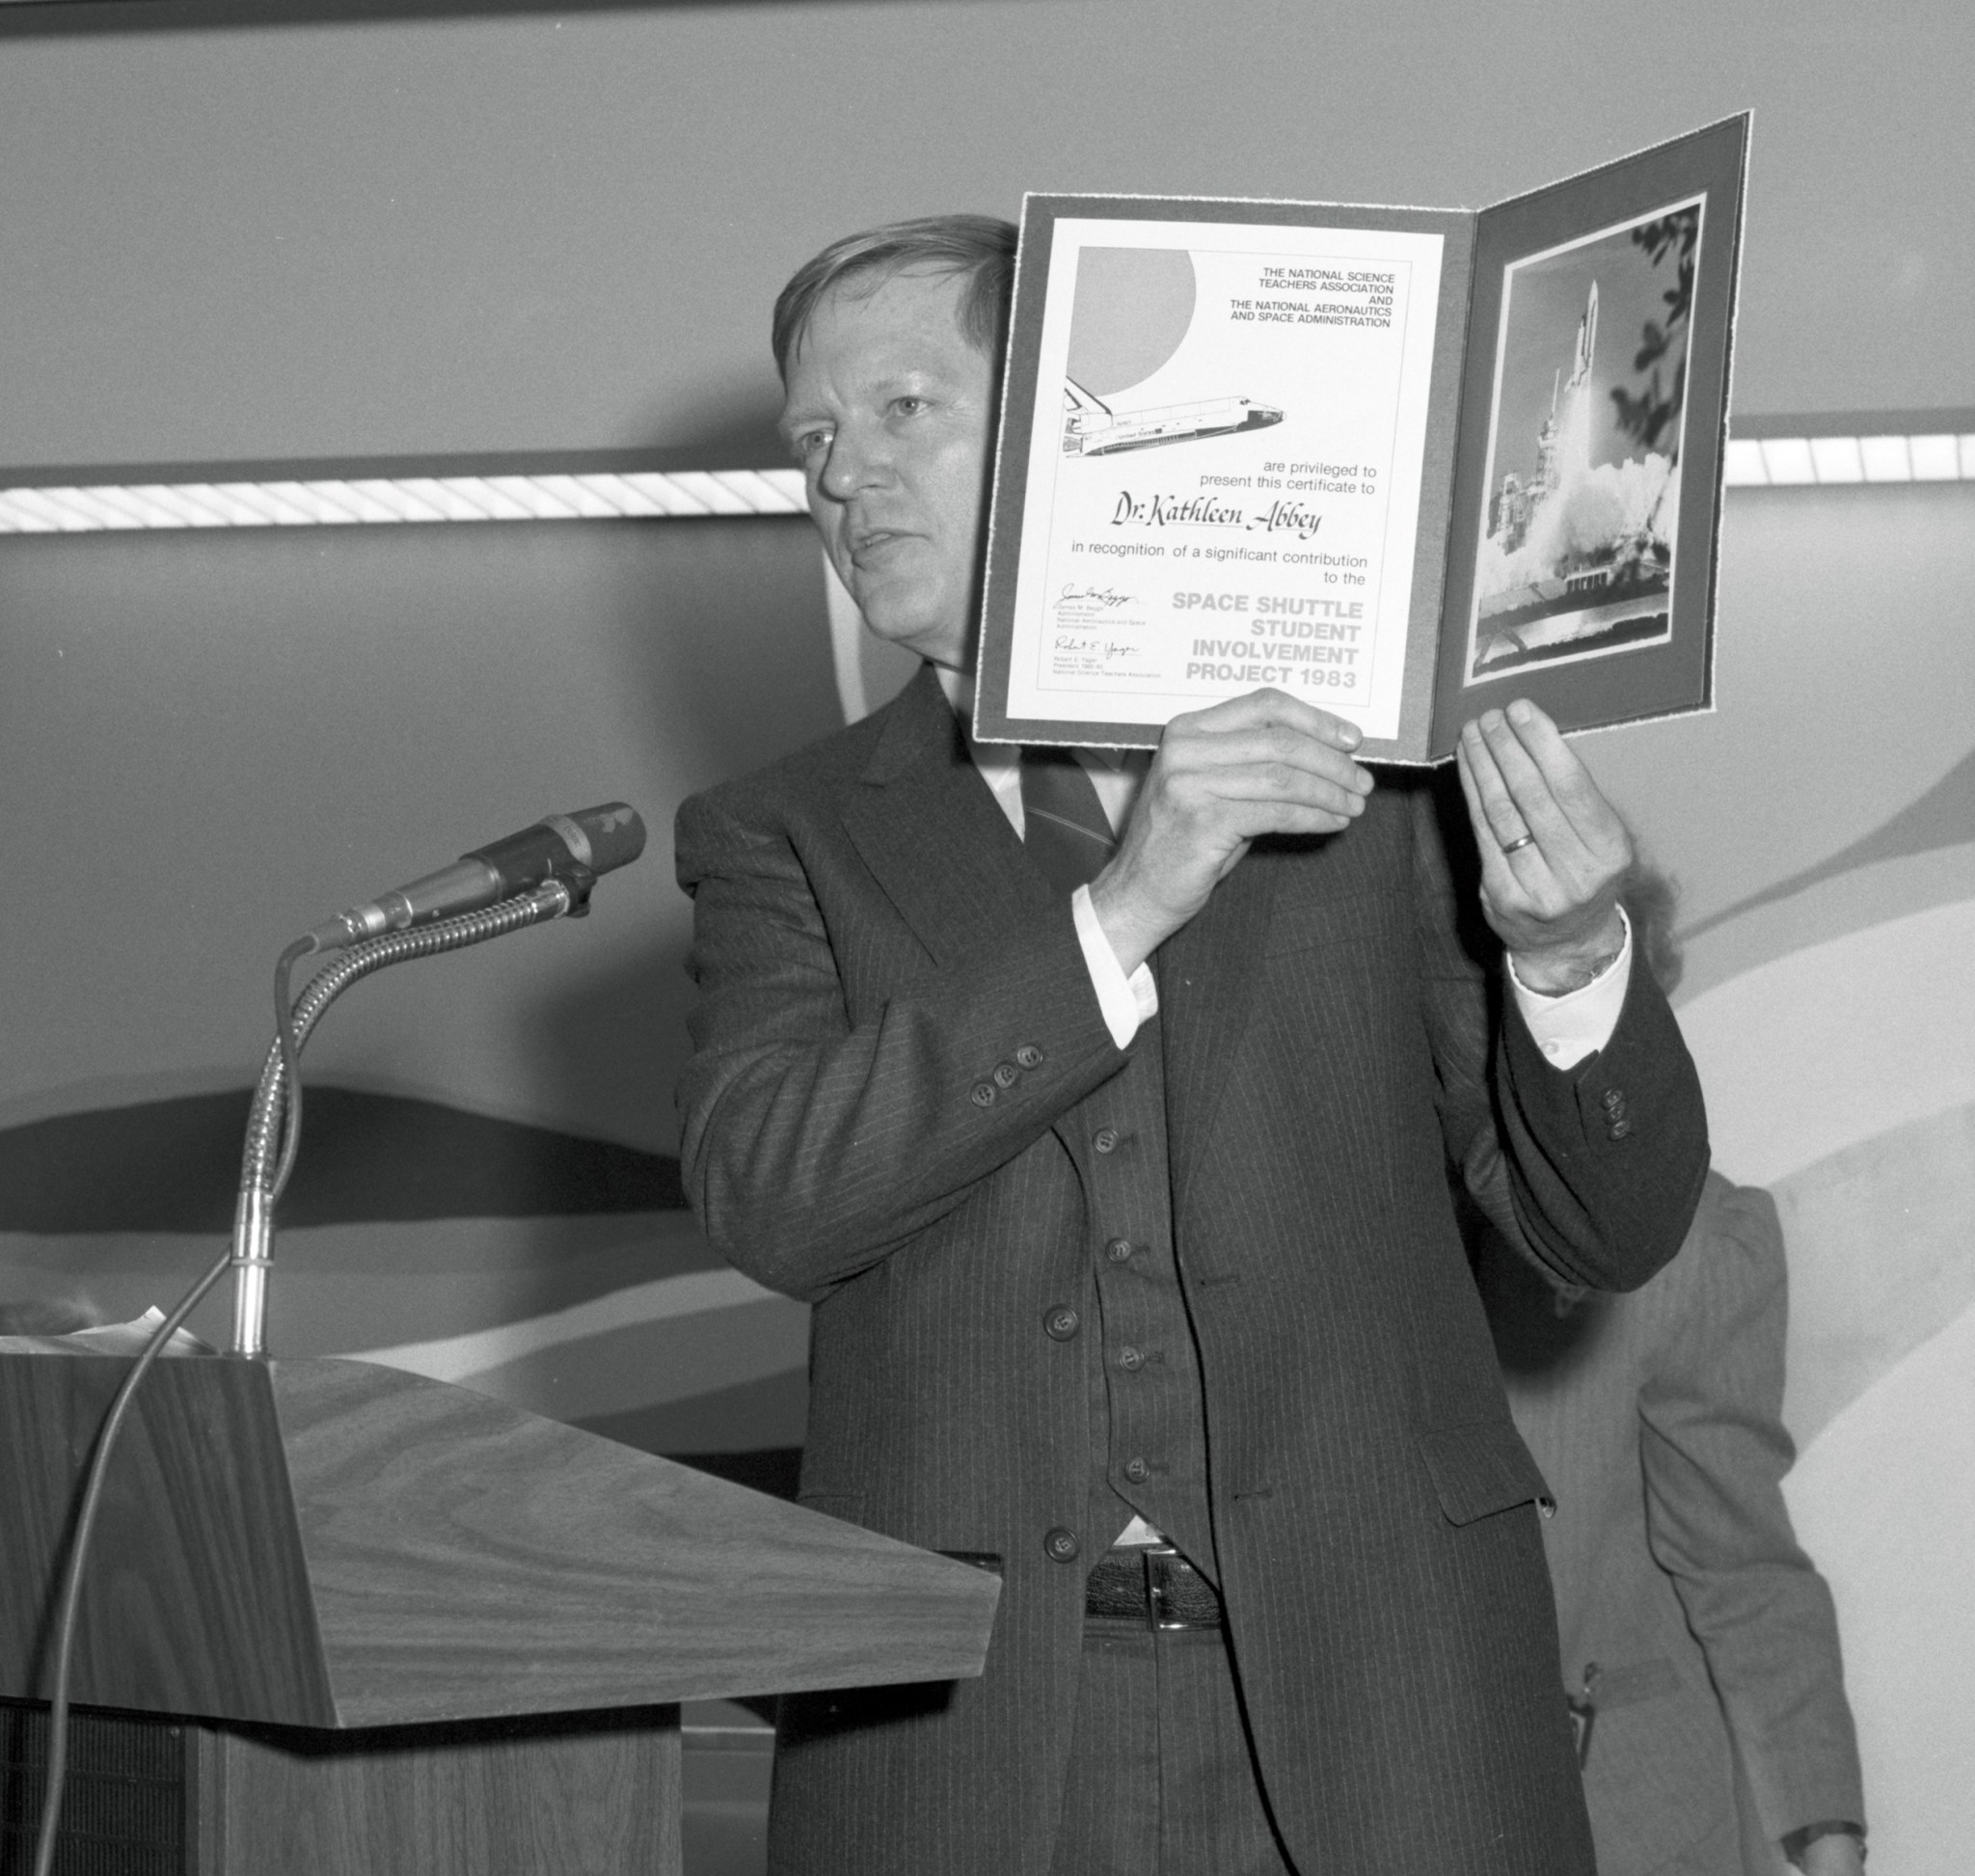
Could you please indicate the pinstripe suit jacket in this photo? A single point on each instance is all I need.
(871, 942)
(1658, 1420)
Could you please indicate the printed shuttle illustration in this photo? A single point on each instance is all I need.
(1091, 428)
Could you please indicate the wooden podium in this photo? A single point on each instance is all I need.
(398, 1626)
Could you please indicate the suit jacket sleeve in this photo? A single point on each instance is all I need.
(1595, 1170)
(1715, 1452)
(824, 1129)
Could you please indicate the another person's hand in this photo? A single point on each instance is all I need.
(1554, 851)
(1264, 763)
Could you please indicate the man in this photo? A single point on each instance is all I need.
(1120, 1207)
(1699, 1643)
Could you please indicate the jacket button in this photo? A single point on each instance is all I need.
(1614, 1101)
(1062, 1322)
(1060, 1545)
(1005, 1073)
(983, 1094)
(1028, 1056)
(1137, 1471)
(1132, 1358)
(1118, 1250)
(1620, 1128)
(1105, 1139)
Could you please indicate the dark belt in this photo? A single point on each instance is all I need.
(1152, 1585)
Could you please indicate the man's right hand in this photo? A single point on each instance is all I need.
(1264, 763)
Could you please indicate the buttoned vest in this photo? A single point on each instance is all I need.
(1148, 1409)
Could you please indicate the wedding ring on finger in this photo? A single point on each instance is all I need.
(1517, 845)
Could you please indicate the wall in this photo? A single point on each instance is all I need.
(206, 745)
(208, 742)
(1824, 821)
(547, 232)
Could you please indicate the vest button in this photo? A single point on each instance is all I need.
(1137, 1471)
(1028, 1056)
(1060, 1545)
(1105, 1139)
(1132, 1358)
(1118, 1250)
(983, 1094)
(1005, 1073)
(1062, 1322)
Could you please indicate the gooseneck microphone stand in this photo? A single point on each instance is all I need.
(271, 1145)
(273, 1138)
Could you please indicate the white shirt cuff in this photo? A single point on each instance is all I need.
(1125, 1001)
(1568, 1028)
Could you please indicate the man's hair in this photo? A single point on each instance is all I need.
(979, 246)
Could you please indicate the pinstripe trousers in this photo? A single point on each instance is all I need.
(1162, 1778)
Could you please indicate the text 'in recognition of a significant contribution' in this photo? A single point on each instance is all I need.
(1402, 463)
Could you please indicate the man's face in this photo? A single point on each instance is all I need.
(887, 411)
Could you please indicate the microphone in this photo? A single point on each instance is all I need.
(574, 847)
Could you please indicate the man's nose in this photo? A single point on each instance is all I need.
(858, 460)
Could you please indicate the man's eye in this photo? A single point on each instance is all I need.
(908, 406)
(809, 443)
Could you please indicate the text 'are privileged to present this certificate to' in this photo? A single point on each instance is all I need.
(1403, 464)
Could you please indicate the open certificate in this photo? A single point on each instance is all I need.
(1403, 464)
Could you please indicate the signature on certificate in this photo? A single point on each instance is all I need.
(1101, 599)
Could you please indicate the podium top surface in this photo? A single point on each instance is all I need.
(330, 1543)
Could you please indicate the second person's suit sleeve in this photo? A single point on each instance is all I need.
(1715, 1452)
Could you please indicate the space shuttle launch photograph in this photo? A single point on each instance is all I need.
(1577, 548)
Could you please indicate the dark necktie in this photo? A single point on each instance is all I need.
(1065, 828)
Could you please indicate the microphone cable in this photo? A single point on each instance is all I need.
(71, 1596)
(292, 1025)
(290, 1053)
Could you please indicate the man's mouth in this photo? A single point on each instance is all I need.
(872, 544)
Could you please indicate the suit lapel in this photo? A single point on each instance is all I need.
(943, 854)
(928, 827)
(1208, 973)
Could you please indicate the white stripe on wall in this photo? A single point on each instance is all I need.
(680, 495)
(1820, 461)
(689, 493)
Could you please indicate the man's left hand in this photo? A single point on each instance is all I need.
(1553, 850)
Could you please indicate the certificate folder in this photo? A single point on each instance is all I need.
(1403, 463)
